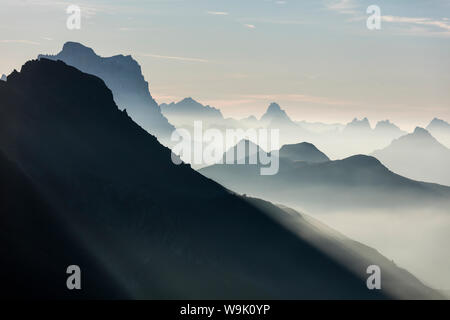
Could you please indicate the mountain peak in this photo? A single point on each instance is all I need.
(418, 131)
(77, 48)
(123, 76)
(274, 112)
(274, 107)
(438, 123)
(303, 151)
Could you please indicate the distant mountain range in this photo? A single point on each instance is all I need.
(418, 156)
(123, 75)
(83, 184)
(190, 109)
(355, 182)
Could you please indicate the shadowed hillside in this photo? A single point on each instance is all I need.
(159, 230)
(123, 75)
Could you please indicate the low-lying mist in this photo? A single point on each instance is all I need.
(417, 241)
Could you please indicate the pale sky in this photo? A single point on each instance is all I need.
(317, 59)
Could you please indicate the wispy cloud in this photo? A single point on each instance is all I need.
(185, 59)
(20, 41)
(299, 98)
(217, 13)
(250, 26)
(441, 24)
(342, 6)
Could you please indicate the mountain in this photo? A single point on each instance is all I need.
(358, 182)
(157, 229)
(275, 116)
(418, 156)
(358, 126)
(302, 152)
(123, 75)
(441, 130)
(3, 78)
(388, 129)
(37, 246)
(188, 110)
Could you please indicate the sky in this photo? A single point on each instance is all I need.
(317, 59)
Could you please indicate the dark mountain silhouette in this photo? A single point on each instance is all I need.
(36, 246)
(418, 156)
(302, 152)
(190, 109)
(159, 230)
(356, 182)
(123, 75)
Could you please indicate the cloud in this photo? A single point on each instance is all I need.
(441, 24)
(20, 41)
(342, 6)
(186, 59)
(250, 26)
(217, 13)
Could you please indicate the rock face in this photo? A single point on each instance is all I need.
(158, 230)
(123, 75)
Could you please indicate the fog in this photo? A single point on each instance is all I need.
(417, 241)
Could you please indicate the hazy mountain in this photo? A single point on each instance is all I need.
(275, 116)
(441, 130)
(189, 110)
(319, 127)
(358, 126)
(418, 156)
(123, 75)
(355, 182)
(303, 152)
(3, 78)
(388, 129)
(159, 230)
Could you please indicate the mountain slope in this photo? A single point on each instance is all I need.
(160, 230)
(441, 130)
(417, 156)
(355, 182)
(37, 246)
(123, 75)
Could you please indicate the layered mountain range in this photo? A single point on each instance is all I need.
(123, 76)
(83, 184)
